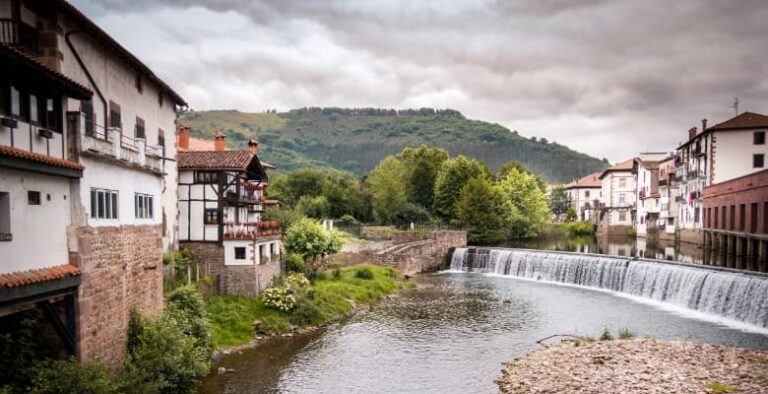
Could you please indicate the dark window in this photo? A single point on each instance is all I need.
(724, 223)
(161, 137)
(240, 253)
(160, 99)
(90, 122)
(5, 217)
(206, 177)
(753, 218)
(33, 198)
(758, 161)
(586, 193)
(114, 115)
(103, 204)
(759, 137)
(143, 206)
(717, 216)
(742, 216)
(140, 131)
(765, 218)
(211, 216)
(139, 85)
(733, 218)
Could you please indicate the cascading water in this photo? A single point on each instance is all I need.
(737, 296)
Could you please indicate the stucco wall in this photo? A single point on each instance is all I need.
(39, 231)
(734, 154)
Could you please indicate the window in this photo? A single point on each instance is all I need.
(5, 217)
(90, 121)
(140, 132)
(240, 253)
(211, 216)
(114, 115)
(622, 199)
(622, 182)
(33, 110)
(586, 193)
(622, 216)
(206, 177)
(139, 85)
(103, 204)
(759, 138)
(143, 206)
(15, 102)
(33, 198)
(160, 99)
(758, 161)
(161, 137)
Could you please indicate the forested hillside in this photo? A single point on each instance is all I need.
(355, 140)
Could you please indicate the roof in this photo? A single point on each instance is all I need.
(589, 181)
(69, 86)
(747, 120)
(100, 34)
(216, 160)
(623, 166)
(40, 158)
(22, 278)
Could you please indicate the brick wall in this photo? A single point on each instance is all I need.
(121, 266)
(740, 204)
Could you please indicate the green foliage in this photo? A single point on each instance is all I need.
(186, 307)
(606, 335)
(486, 213)
(522, 190)
(624, 333)
(559, 201)
(387, 189)
(409, 213)
(308, 239)
(314, 207)
(422, 165)
(21, 348)
(305, 312)
(507, 167)
(451, 178)
(721, 387)
(279, 298)
(294, 263)
(570, 215)
(72, 377)
(347, 220)
(364, 273)
(578, 229)
(286, 216)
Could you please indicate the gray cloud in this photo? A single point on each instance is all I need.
(606, 78)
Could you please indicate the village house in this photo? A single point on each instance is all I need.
(647, 197)
(75, 96)
(221, 200)
(617, 201)
(585, 196)
(668, 198)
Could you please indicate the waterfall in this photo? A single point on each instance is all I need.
(733, 295)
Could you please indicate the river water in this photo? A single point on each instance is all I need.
(451, 335)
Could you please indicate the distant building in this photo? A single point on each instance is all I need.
(669, 196)
(647, 197)
(221, 199)
(585, 196)
(617, 199)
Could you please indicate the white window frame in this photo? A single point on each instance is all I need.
(143, 206)
(111, 204)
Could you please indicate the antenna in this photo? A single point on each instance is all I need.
(735, 105)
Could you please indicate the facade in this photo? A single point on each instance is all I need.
(647, 196)
(221, 199)
(617, 198)
(585, 196)
(668, 198)
(120, 210)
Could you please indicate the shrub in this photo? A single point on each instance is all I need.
(297, 282)
(577, 229)
(21, 348)
(72, 377)
(305, 312)
(336, 272)
(279, 298)
(347, 220)
(624, 333)
(606, 335)
(364, 273)
(186, 306)
(294, 263)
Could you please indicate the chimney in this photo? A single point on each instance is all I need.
(704, 125)
(183, 137)
(691, 133)
(218, 143)
(253, 147)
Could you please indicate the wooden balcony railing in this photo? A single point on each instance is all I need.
(19, 35)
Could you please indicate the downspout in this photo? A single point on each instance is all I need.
(86, 71)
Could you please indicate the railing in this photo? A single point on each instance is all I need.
(692, 174)
(663, 182)
(19, 35)
(112, 141)
(252, 230)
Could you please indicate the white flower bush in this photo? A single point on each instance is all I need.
(297, 281)
(279, 298)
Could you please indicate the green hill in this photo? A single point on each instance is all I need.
(355, 140)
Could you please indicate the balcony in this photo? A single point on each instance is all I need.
(252, 230)
(112, 142)
(19, 35)
(692, 174)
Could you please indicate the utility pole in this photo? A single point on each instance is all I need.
(735, 106)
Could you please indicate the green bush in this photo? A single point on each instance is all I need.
(21, 348)
(72, 377)
(336, 272)
(624, 333)
(279, 298)
(305, 312)
(347, 220)
(294, 263)
(606, 335)
(186, 306)
(577, 229)
(364, 273)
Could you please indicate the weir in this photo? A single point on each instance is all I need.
(740, 296)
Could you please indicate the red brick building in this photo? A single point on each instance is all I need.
(738, 205)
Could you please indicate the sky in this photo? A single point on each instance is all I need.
(607, 78)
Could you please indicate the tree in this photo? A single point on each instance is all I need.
(452, 176)
(523, 191)
(423, 164)
(387, 188)
(559, 201)
(341, 190)
(409, 213)
(310, 240)
(486, 212)
(316, 207)
(507, 167)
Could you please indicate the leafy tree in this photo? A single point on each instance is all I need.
(316, 207)
(523, 191)
(72, 377)
(308, 239)
(422, 164)
(409, 213)
(387, 189)
(507, 167)
(559, 201)
(486, 212)
(286, 216)
(570, 215)
(452, 176)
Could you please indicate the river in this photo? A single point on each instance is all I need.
(451, 335)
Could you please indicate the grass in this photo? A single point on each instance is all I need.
(232, 317)
(721, 387)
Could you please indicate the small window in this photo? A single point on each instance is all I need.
(758, 161)
(160, 99)
(143, 206)
(622, 199)
(140, 132)
(15, 102)
(104, 204)
(759, 137)
(211, 216)
(5, 217)
(89, 119)
(206, 177)
(114, 115)
(586, 193)
(622, 182)
(33, 198)
(33, 110)
(240, 253)
(139, 84)
(622, 216)
(161, 137)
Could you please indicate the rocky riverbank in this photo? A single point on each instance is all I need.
(637, 366)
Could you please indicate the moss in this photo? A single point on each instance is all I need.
(721, 387)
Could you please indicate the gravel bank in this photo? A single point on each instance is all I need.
(637, 366)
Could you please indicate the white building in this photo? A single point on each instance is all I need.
(585, 196)
(617, 198)
(647, 196)
(221, 199)
(668, 198)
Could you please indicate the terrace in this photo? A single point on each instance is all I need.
(98, 140)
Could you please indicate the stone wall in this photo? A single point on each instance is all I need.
(247, 280)
(121, 267)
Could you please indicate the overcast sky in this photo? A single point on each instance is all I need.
(608, 78)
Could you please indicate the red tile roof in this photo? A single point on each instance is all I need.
(589, 181)
(623, 166)
(22, 278)
(747, 120)
(39, 157)
(216, 160)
